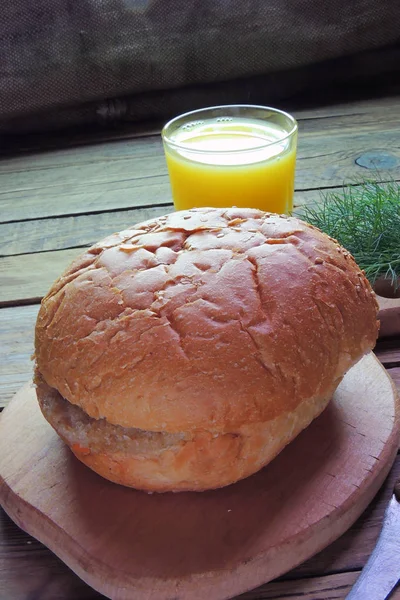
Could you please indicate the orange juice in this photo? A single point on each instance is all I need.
(232, 162)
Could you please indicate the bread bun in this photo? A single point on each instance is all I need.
(184, 353)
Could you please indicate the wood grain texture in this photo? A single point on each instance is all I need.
(130, 130)
(381, 573)
(27, 278)
(106, 197)
(331, 472)
(351, 551)
(395, 375)
(369, 106)
(148, 146)
(389, 316)
(331, 587)
(388, 351)
(47, 578)
(98, 177)
(133, 172)
(29, 571)
(85, 198)
(50, 579)
(17, 326)
(34, 236)
(65, 232)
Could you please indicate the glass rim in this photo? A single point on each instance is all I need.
(189, 148)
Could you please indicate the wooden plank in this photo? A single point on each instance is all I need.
(40, 235)
(354, 122)
(16, 347)
(129, 130)
(29, 570)
(73, 182)
(106, 152)
(331, 587)
(37, 235)
(328, 158)
(84, 199)
(395, 375)
(388, 352)
(148, 146)
(84, 171)
(371, 106)
(325, 146)
(58, 233)
(317, 121)
(27, 278)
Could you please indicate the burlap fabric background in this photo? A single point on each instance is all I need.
(75, 61)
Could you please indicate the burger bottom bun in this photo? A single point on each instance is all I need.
(161, 462)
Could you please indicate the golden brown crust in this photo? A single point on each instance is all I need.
(195, 461)
(205, 319)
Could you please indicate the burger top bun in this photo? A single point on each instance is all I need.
(204, 320)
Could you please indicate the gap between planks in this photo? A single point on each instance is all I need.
(301, 198)
(61, 232)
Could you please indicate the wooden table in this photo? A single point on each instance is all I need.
(57, 196)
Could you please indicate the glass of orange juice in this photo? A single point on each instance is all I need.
(235, 155)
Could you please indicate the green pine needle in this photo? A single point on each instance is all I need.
(365, 219)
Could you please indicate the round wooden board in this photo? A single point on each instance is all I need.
(127, 544)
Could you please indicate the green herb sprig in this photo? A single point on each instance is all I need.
(365, 219)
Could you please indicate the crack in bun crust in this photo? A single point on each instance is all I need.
(200, 330)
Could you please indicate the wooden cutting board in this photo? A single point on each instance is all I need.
(214, 545)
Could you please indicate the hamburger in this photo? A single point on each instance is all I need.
(186, 352)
